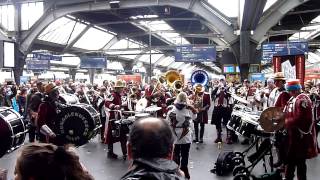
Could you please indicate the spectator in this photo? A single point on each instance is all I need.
(49, 162)
(151, 148)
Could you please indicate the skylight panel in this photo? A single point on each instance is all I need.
(166, 61)
(60, 30)
(93, 39)
(30, 13)
(7, 16)
(307, 35)
(124, 44)
(227, 7)
(269, 4)
(132, 54)
(165, 31)
(176, 64)
(146, 57)
(115, 65)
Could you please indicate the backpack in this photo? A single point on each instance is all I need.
(224, 163)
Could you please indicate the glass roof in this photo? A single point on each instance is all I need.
(269, 4)
(154, 57)
(166, 61)
(314, 30)
(114, 65)
(94, 39)
(227, 7)
(126, 44)
(176, 65)
(165, 31)
(30, 13)
(7, 16)
(132, 54)
(60, 30)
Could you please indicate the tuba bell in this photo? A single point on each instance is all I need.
(172, 76)
(177, 85)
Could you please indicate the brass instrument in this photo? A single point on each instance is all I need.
(172, 76)
(177, 85)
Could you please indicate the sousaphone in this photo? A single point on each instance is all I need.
(272, 119)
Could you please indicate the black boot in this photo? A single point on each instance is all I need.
(111, 155)
(201, 133)
(196, 132)
(219, 138)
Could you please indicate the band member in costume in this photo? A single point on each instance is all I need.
(201, 102)
(156, 96)
(301, 142)
(101, 108)
(47, 116)
(113, 104)
(221, 111)
(279, 98)
(180, 117)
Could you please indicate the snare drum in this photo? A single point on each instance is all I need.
(141, 115)
(12, 130)
(78, 123)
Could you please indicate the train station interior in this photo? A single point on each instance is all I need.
(85, 43)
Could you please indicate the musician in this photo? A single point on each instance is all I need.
(301, 142)
(34, 100)
(47, 115)
(202, 103)
(133, 95)
(155, 95)
(279, 98)
(113, 103)
(180, 118)
(101, 108)
(270, 86)
(222, 110)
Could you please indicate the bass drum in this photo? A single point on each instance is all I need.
(12, 130)
(78, 124)
(68, 99)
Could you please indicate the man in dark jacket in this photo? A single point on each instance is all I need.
(150, 146)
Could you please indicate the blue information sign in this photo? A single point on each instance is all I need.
(257, 77)
(282, 49)
(191, 53)
(37, 65)
(93, 62)
(46, 57)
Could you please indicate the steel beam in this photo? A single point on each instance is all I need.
(273, 16)
(252, 13)
(70, 44)
(200, 8)
(112, 41)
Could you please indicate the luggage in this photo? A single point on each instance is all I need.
(224, 163)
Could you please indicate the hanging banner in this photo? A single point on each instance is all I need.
(37, 65)
(282, 49)
(191, 53)
(128, 78)
(93, 62)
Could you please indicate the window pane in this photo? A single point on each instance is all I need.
(60, 30)
(93, 39)
(7, 17)
(30, 13)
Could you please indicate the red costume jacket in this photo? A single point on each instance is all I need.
(206, 102)
(282, 99)
(302, 142)
(161, 102)
(110, 103)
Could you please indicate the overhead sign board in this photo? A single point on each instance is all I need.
(37, 65)
(45, 57)
(191, 53)
(282, 49)
(93, 62)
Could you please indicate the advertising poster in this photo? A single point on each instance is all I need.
(128, 78)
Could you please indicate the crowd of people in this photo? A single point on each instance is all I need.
(159, 147)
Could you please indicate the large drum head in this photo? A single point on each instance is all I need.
(76, 125)
(5, 137)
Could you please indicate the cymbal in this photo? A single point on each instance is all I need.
(272, 119)
(240, 99)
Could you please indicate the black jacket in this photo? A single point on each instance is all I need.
(153, 169)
